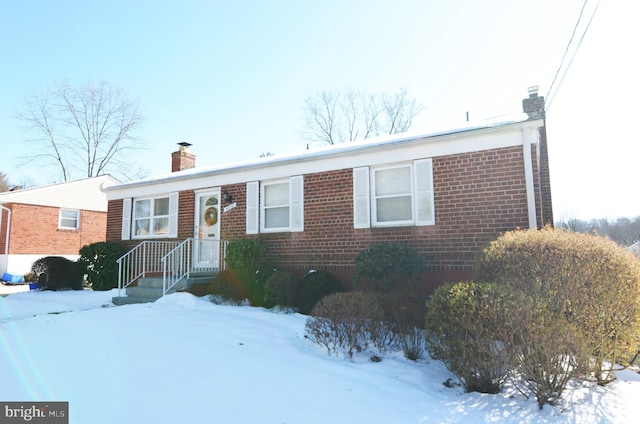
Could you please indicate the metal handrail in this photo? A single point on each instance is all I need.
(178, 264)
(143, 259)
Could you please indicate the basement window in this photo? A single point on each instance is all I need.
(69, 219)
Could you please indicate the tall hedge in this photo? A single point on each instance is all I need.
(587, 280)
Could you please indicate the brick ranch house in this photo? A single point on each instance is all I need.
(51, 220)
(446, 194)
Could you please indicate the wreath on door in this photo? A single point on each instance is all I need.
(211, 216)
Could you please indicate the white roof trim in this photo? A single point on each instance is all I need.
(505, 131)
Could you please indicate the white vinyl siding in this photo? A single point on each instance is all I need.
(155, 217)
(393, 195)
(69, 219)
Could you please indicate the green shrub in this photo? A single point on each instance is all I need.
(227, 285)
(58, 273)
(247, 259)
(385, 265)
(98, 261)
(348, 323)
(280, 289)
(587, 280)
(314, 286)
(469, 327)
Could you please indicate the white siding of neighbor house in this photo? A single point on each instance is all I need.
(85, 194)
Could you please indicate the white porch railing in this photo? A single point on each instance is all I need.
(190, 257)
(144, 259)
(173, 260)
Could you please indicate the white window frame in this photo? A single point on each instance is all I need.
(295, 205)
(422, 199)
(375, 197)
(171, 216)
(64, 218)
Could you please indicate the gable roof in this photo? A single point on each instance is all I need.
(85, 194)
(384, 149)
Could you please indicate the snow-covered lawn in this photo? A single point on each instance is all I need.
(184, 359)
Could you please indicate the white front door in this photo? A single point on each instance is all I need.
(206, 250)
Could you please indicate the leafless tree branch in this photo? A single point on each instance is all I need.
(86, 128)
(332, 117)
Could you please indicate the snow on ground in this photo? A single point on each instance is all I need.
(184, 359)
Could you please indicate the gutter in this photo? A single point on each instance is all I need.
(6, 242)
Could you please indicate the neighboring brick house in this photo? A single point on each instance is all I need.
(56, 219)
(446, 194)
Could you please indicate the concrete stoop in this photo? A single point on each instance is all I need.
(149, 289)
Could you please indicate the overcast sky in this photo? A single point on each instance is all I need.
(231, 77)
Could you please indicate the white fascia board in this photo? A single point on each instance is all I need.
(346, 156)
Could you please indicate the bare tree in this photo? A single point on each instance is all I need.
(4, 182)
(333, 117)
(85, 130)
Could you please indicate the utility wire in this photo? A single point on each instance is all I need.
(575, 51)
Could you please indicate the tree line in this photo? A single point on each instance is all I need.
(624, 231)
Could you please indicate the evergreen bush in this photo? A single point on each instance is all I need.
(227, 285)
(280, 289)
(98, 261)
(314, 286)
(384, 265)
(247, 259)
(58, 273)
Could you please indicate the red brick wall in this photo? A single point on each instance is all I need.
(34, 230)
(477, 196)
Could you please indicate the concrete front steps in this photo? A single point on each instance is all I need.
(149, 289)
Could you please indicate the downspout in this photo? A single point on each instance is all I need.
(6, 242)
(528, 177)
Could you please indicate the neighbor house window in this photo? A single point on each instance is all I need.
(275, 206)
(393, 195)
(69, 219)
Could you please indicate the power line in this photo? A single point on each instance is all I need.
(575, 51)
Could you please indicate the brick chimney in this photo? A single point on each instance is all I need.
(182, 159)
(534, 105)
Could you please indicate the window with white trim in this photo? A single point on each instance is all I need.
(275, 206)
(394, 195)
(150, 217)
(69, 219)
